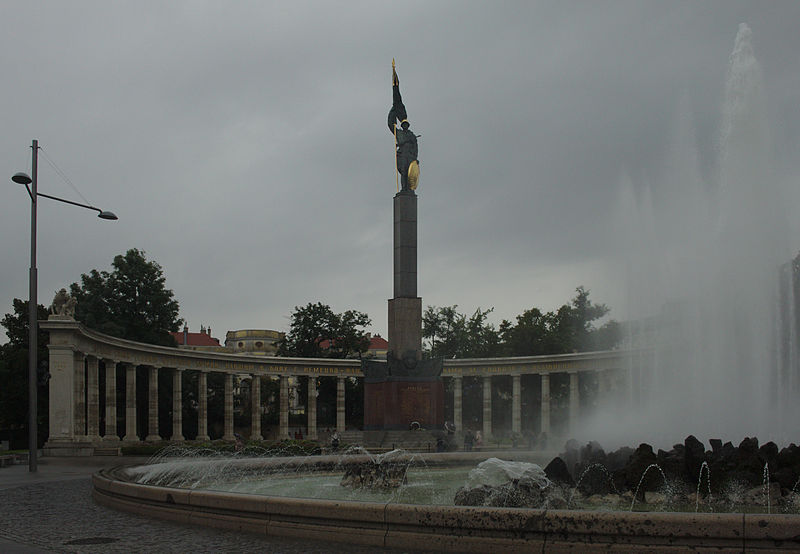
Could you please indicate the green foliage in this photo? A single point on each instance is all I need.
(317, 332)
(450, 334)
(130, 302)
(14, 368)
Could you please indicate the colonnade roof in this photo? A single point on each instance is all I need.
(66, 333)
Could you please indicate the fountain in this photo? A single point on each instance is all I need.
(714, 372)
(703, 254)
(462, 502)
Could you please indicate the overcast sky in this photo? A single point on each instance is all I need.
(243, 145)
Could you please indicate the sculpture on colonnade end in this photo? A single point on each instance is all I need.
(63, 305)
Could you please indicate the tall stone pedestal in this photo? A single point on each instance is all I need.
(405, 388)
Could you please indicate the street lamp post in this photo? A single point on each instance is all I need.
(33, 408)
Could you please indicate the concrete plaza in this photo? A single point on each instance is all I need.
(53, 511)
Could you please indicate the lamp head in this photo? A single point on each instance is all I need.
(107, 215)
(22, 178)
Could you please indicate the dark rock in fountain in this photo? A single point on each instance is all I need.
(558, 472)
(619, 458)
(672, 462)
(789, 456)
(769, 453)
(694, 455)
(668, 479)
(377, 476)
(731, 468)
(631, 475)
(572, 453)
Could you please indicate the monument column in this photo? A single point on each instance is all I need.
(341, 425)
(177, 405)
(405, 309)
(202, 406)
(130, 403)
(152, 406)
(457, 388)
(93, 398)
(79, 395)
(574, 401)
(487, 407)
(283, 414)
(516, 404)
(110, 433)
(405, 388)
(255, 408)
(545, 425)
(311, 408)
(228, 436)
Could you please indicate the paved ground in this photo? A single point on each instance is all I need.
(53, 511)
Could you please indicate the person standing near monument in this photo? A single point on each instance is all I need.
(405, 139)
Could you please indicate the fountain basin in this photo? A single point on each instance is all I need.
(444, 528)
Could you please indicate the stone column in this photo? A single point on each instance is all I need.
(228, 436)
(457, 390)
(202, 406)
(311, 408)
(152, 406)
(603, 383)
(177, 405)
(79, 395)
(111, 401)
(93, 399)
(574, 401)
(340, 413)
(545, 426)
(62, 391)
(130, 404)
(255, 408)
(516, 404)
(283, 426)
(487, 408)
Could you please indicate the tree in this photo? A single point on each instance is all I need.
(452, 335)
(568, 329)
(130, 302)
(14, 371)
(317, 332)
(527, 337)
(483, 340)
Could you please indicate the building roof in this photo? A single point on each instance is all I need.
(376, 342)
(195, 339)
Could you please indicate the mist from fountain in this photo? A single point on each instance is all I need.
(702, 261)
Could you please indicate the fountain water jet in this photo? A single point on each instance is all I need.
(703, 466)
(703, 259)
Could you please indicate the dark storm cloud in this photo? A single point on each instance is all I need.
(244, 145)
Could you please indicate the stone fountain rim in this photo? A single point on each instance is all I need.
(445, 528)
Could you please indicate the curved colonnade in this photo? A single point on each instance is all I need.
(78, 357)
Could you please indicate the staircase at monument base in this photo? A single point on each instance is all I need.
(417, 441)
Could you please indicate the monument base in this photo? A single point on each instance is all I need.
(399, 393)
